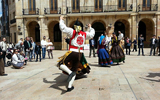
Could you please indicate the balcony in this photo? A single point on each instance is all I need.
(31, 11)
(52, 11)
(153, 7)
(105, 8)
(13, 21)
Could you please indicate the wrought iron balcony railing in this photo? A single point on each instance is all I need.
(153, 7)
(31, 11)
(52, 10)
(105, 8)
(13, 21)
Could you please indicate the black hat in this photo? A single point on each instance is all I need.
(113, 33)
(77, 23)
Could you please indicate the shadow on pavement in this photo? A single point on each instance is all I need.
(57, 82)
(61, 80)
(153, 75)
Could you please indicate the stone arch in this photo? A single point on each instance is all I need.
(55, 34)
(100, 22)
(99, 29)
(146, 28)
(123, 26)
(33, 29)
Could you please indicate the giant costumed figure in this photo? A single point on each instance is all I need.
(73, 62)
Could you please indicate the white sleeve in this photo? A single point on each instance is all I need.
(65, 29)
(15, 58)
(90, 34)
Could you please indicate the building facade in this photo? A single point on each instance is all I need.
(38, 18)
(5, 32)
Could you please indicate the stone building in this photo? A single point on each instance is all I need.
(5, 20)
(38, 18)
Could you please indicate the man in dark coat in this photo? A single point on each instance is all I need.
(128, 45)
(153, 44)
(92, 47)
(140, 44)
(38, 51)
(27, 47)
(159, 44)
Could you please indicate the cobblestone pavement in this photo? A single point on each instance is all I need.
(137, 79)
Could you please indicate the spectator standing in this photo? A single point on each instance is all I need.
(43, 44)
(120, 36)
(128, 45)
(19, 46)
(2, 71)
(4, 50)
(140, 44)
(92, 47)
(159, 45)
(16, 61)
(50, 48)
(27, 47)
(33, 48)
(67, 41)
(153, 44)
(135, 45)
(38, 51)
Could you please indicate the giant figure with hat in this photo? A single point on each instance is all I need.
(73, 62)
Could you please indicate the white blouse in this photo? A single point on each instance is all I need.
(15, 59)
(49, 43)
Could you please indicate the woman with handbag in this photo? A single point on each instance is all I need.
(32, 49)
(50, 48)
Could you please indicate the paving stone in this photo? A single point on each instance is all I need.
(44, 81)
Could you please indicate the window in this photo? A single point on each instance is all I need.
(13, 15)
(53, 6)
(75, 5)
(146, 5)
(32, 6)
(98, 5)
(122, 5)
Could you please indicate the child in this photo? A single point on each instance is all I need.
(38, 51)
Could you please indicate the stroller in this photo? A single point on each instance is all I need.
(9, 56)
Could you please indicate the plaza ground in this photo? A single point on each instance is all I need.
(136, 79)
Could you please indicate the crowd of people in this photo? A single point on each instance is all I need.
(127, 44)
(26, 50)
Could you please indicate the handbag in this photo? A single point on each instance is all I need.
(52, 48)
(128, 44)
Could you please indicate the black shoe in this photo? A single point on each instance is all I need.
(4, 75)
(138, 55)
(117, 63)
(143, 55)
(5, 65)
(123, 61)
(70, 76)
(70, 89)
(36, 60)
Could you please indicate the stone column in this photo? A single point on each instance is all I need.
(134, 26)
(43, 27)
(158, 25)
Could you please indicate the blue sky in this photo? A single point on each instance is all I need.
(0, 9)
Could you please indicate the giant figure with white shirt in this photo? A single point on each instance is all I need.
(73, 62)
